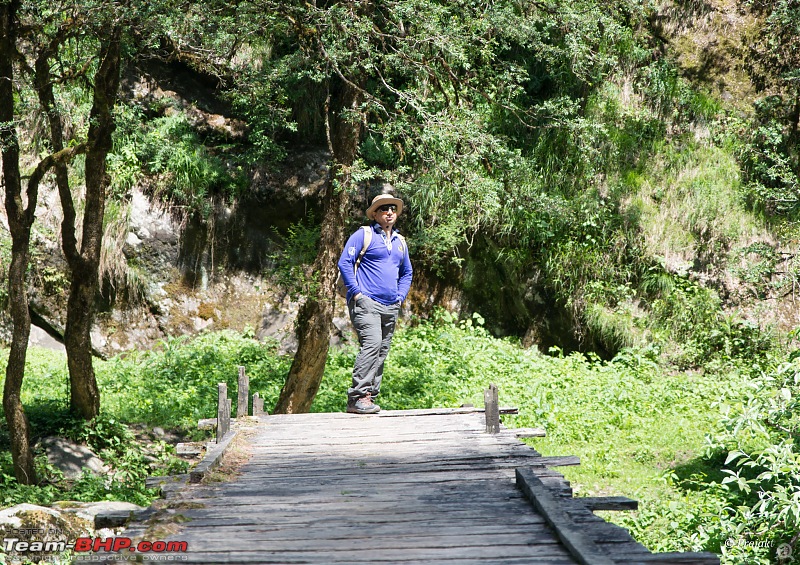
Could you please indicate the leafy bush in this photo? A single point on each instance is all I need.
(769, 158)
(293, 259)
(638, 429)
(741, 497)
(175, 385)
(114, 443)
(168, 149)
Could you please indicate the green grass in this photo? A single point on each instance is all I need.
(688, 205)
(638, 429)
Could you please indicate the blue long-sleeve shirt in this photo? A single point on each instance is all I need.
(384, 273)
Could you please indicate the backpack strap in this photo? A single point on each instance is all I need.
(403, 240)
(367, 241)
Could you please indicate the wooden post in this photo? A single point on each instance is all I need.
(492, 409)
(244, 394)
(258, 405)
(223, 411)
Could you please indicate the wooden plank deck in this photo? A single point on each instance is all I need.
(407, 487)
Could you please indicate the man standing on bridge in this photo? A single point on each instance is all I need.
(377, 272)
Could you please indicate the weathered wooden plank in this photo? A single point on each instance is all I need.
(440, 482)
(491, 409)
(528, 432)
(359, 554)
(364, 459)
(386, 430)
(210, 540)
(428, 501)
(398, 518)
(243, 393)
(211, 459)
(411, 525)
(401, 476)
(397, 450)
(676, 558)
(344, 437)
(207, 559)
(563, 461)
(376, 466)
(581, 546)
(367, 515)
(594, 503)
(395, 454)
(395, 435)
(352, 494)
(239, 559)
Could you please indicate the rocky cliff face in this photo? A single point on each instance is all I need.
(176, 276)
(184, 275)
(167, 274)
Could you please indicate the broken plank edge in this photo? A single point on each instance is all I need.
(556, 461)
(121, 518)
(442, 411)
(609, 503)
(577, 543)
(529, 432)
(212, 458)
(207, 424)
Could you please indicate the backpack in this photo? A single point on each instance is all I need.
(341, 289)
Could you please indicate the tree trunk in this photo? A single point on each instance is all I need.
(19, 221)
(43, 82)
(84, 267)
(18, 427)
(316, 314)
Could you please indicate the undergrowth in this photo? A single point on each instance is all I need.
(696, 447)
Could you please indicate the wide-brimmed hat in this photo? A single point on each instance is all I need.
(381, 200)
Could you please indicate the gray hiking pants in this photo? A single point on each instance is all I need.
(374, 323)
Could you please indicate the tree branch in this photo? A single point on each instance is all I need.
(63, 156)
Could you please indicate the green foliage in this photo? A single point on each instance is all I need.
(674, 98)
(741, 497)
(182, 170)
(172, 386)
(175, 384)
(114, 444)
(657, 420)
(770, 157)
(292, 261)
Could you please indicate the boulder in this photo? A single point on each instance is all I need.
(71, 458)
(41, 529)
(14, 515)
(98, 513)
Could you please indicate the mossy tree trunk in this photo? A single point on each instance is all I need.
(316, 314)
(21, 216)
(20, 220)
(84, 264)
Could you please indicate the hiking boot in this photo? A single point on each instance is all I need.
(363, 405)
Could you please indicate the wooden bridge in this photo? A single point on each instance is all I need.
(410, 487)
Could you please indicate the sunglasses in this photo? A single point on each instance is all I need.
(387, 208)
